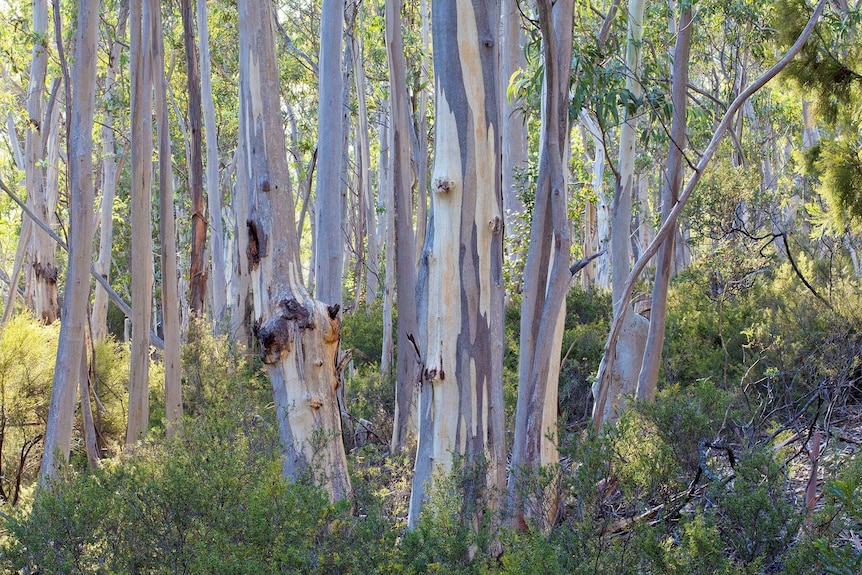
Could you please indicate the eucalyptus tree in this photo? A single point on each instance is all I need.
(461, 395)
(329, 236)
(648, 376)
(216, 227)
(167, 232)
(630, 344)
(404, 237)
(142, 239)
(547, 277)
(603, 385)
(109, 174)
(197, 263)
(298, 336)
(515, 158)
(58, 431)
(43, 271)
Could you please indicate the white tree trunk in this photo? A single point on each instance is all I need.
(403, 427)
(109, 182)
(167, 234)
(142, 255)
(216, 227)
(329, 236)
(546, 282)
(43, 271)
(514, 124)
(58, 431)
(629, 353)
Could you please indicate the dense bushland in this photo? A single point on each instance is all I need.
(710, 478)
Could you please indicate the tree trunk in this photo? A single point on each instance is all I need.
(603, 220)
(142, 255)
(43, 271)
(546, 282)
(367, 215)
(461, 395)
(648, 377)
(167, 235)
(88, 426)
(109, 182)
(58, 431)
(403, 426)
(386, 231)
(329, 236)
(629, 353)
(514, 124)
(298, 336)
(219, 289)
(198, 264)
(422, 135)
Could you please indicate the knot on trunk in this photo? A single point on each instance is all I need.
(274, 338)
(46, 272)
(293, 310)
(256, 244)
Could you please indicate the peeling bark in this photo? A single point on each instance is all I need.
(546, 282)
(298, 336)
(461, 395)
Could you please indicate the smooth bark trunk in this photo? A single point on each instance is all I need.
(404, 426)
(167, 235)
(633, 337)
(512, 59)
(219, 288)
(546, 282)
(142, 255)
(648, 377)
(329, 236)
(58, 431)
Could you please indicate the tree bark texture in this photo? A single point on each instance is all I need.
(198, 263)
(298, 336)
(43, 271)
(405, 265)
(461, 394)
(630, 346)
(218, 276)
(514, 124)
(99, 318)
(546, 282)
(648, 377)
(167, 235)
(142, 239)
(329, 238)
(58, 431)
